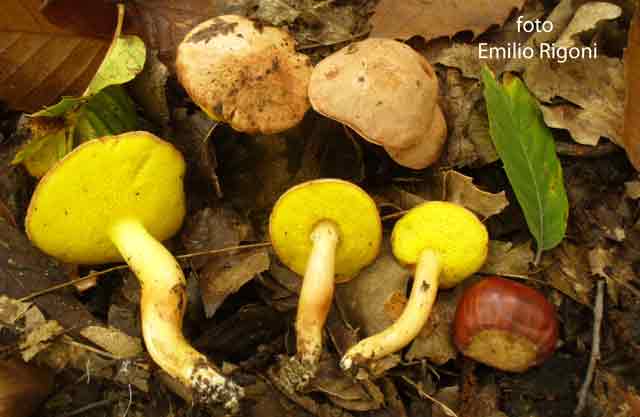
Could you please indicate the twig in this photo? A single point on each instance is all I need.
(91, 406)
(444, 407)
(392, 216)
(595, 349)
(120, 267)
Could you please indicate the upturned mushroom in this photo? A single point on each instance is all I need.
(326, 230)
(244, 73)
(446, 243)
(388, 94)
(116, 198)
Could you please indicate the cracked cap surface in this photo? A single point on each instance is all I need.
(133, 175)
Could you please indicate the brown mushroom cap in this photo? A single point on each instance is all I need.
(425, 152)
(245, 74)
(386, 92)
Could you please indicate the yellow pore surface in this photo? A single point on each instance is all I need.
(452, 231)
(345, 204)
(134, 176)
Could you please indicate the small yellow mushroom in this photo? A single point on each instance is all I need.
(446, 243)
(326, 230)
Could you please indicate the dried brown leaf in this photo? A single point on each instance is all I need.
(505, 258)
(460, 190)
(113, 341)
(631, 135)
(162, 24)
(594, 89)
(434, 19)
(364, 300)
(225, 275)
(40, 61)
(434, 341)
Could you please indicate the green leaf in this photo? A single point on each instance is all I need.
(123, 62)
(527, 149)
(109, 112)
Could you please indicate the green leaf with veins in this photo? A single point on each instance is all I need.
(527, 150)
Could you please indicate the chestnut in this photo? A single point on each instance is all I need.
(505, 324)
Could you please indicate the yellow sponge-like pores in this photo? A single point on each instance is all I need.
(451, 230)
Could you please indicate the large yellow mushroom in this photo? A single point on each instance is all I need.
(325, 230)
(446, 243)
(116, 198)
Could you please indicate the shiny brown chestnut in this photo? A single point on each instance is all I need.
(22, 387)
(505, 324)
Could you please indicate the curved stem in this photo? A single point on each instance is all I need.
(317, 292)
(411, 321)
(162, 304)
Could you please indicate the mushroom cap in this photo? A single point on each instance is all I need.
(381, 88)
(350, 208)
(245, 74)
(135, 175)
(425, 152)
(451, 230)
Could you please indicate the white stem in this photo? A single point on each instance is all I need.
(411, 321)
(317, 292)
(163, 302)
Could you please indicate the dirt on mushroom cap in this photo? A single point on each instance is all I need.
(134, 175)
(245, 74)
(298, 210)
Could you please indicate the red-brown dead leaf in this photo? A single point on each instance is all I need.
(631, 135)
(436, 18)
(40, 61)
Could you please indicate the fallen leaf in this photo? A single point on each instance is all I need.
(164, 23)
(149, 90)
(343, 390)
(527, 150)
(594, 89)
(225, 275)
(40, 333)
(631, 135)
(11, 310)
(322, 23)
(434, 340)
(113, 341)
(469, 142)
(505, 258)
(585, 19)
(41, 61)
(364, 299)
(438, 18)
(632, 189)
(460, 190)
(569, 273)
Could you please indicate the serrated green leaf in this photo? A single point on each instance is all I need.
(64, 106)
(527, 150)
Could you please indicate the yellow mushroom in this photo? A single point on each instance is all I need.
(116, 198)
(326, 230)
(446, 243)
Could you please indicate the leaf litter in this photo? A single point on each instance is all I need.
(234, 180)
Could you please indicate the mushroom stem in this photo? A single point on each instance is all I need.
(317, 292)
(162, 305)
(411, 321)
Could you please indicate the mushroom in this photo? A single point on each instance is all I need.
(388, 94)
(116, 198)
(446, 243)
(245, 74)
(328, 230)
